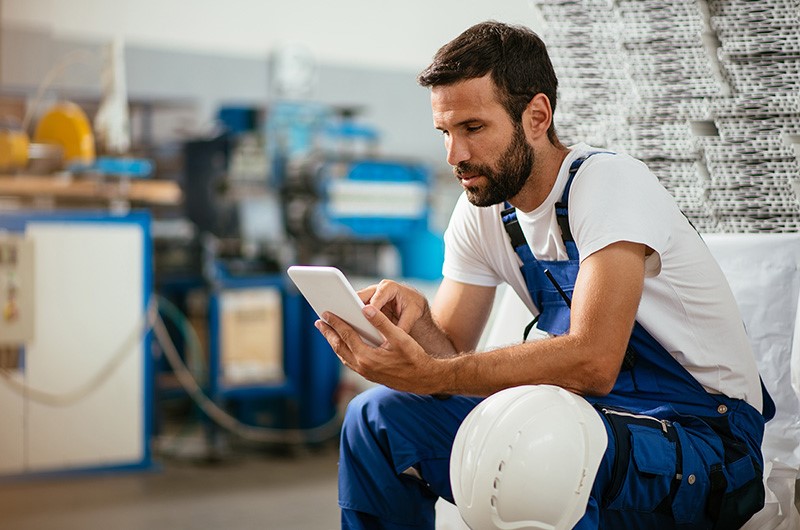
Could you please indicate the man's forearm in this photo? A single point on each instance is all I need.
(432, 338)
(563, 361)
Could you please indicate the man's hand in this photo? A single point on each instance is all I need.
(400, 362)
(403, 305)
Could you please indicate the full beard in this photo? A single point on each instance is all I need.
(506, 180)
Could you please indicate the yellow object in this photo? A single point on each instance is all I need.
(13, 150)
(66, 124)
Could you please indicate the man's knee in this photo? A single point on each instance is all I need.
(365, 417)
(364, 405)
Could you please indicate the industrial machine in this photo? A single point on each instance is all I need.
(301, 183)
(345, 205)
(75, 362)
(308, 186)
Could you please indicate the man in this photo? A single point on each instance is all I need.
(642, 321)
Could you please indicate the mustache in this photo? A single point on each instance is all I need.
(465, 167)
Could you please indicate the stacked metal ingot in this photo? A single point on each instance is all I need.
(706, 92)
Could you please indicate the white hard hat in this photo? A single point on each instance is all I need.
(525, 458)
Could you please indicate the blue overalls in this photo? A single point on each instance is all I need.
(677, 457)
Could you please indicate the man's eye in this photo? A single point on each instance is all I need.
(474, 128)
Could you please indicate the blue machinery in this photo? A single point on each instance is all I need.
(325, 196)
(300, 393)
(338, 193)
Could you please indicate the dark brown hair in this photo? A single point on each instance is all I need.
(515, 57)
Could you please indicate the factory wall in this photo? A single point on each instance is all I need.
(179, 79)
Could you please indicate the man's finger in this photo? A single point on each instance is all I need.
(347, 335)
(341, 349)
(382, 323)
(330, 334)
(385, 292)
(367, 293)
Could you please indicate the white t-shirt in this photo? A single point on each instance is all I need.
(687, 305)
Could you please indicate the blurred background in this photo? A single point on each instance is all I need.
(163, 162)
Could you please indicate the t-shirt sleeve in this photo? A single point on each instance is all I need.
(465, 257)
(617, 198)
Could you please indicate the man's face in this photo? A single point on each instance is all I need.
(489, 153)
(503, 181)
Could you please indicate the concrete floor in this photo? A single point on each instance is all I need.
(246, 489)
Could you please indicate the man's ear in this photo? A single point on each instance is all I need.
(537, 116)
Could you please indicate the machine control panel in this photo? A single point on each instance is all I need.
(16, 291)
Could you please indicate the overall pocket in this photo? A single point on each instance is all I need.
(737, 488)
(646, 464)
(694, 488)
(731, 509)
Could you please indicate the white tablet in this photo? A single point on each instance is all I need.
(326, 289)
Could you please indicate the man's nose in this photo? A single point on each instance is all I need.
(457, 151)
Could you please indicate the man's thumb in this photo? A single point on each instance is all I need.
(377, 318)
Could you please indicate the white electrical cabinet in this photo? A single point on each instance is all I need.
(79, 397)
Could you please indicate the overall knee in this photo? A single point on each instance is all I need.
(364, 417)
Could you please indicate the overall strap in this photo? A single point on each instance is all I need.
(520, 244)
(514, 231)
(562, 212)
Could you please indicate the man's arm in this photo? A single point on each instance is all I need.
(454, 323)
(586, 360)
(461, 311)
